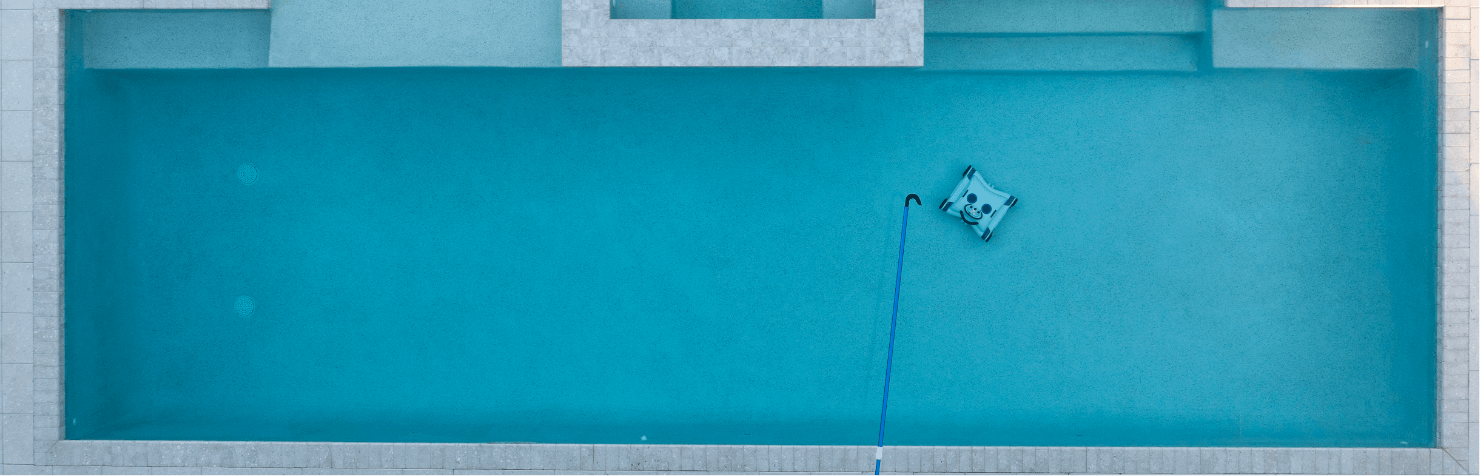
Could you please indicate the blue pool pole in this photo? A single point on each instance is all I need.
(893, 318)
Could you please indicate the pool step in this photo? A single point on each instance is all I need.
(642, 9)
(747, 8)
(203, 39)
(1065, 16)
(1062, 53)
(666, 9)
(382, 33)
(1321, 38)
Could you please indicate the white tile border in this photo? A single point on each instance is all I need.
(362, 458)
(894, 37)
(30, 304)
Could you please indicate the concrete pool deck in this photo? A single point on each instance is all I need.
(31, 393)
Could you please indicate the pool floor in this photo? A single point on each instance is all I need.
(707, 257)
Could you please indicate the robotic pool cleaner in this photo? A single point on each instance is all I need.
(977, 203)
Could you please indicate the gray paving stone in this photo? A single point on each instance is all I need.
(16, 439)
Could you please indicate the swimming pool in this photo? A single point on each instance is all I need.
(698, 257)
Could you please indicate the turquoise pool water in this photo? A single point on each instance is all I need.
(707, 256)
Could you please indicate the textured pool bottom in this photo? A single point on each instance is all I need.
(709, 264)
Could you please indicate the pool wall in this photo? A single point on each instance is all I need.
(31, 438)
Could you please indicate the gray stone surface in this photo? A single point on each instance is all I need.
(894, 37)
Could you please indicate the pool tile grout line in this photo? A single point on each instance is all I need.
(31, 191)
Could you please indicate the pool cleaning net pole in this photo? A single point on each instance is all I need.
(893, 318)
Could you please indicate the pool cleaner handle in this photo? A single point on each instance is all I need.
(893, 318)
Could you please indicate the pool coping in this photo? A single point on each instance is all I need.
(894, 37)
(31, 397)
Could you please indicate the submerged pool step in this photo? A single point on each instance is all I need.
(396, 33)
(1062, 53)
(1065, 16)
(202, 39)
(693, 9)
(1322, 38)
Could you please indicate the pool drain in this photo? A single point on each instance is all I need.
(247, 174)
(244, 306)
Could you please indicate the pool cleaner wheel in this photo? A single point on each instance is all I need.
(977, 204)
